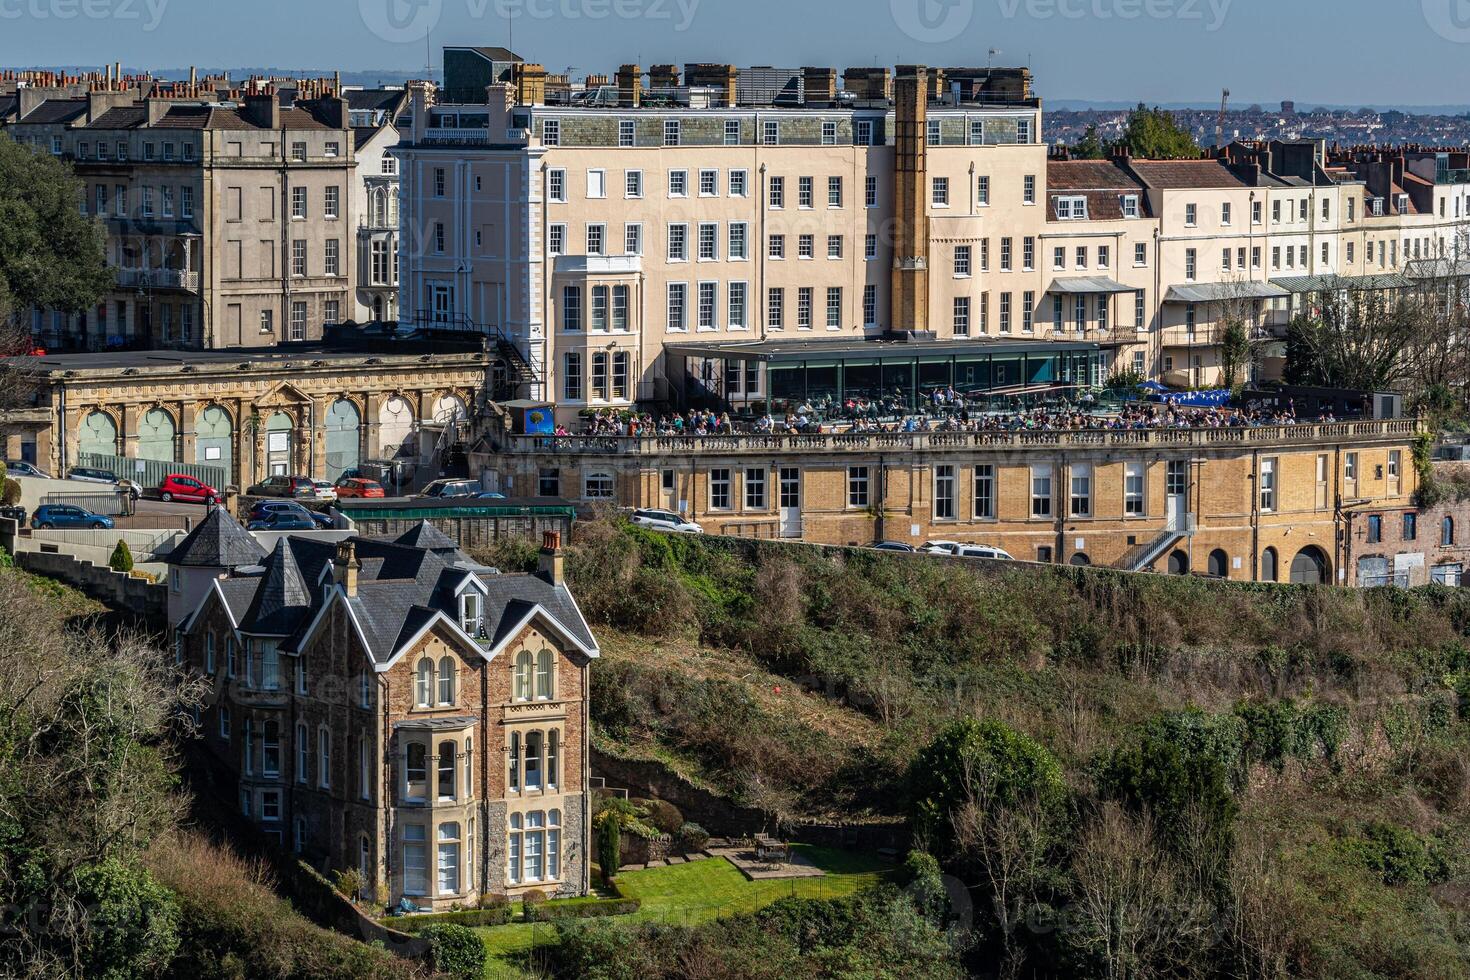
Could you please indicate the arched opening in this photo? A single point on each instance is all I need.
(1219, 564)
(278, 444)
(214, 440)
(1309, 567)
(156, 436)
(1268, 565)
(98, 435)
(1178, 563)
(1080, 559)
(395, 426)
(449, 408)
(1447, 531)
(343, 424)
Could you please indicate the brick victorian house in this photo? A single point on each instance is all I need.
(392, 706)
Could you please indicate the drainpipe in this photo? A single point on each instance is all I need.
(1256, 515)
(880, 524)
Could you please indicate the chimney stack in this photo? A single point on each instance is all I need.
(909, 296)
(663, 77)
(630, 86)
(820, 84)
(530, 82)
(345, 566)
(551, 567)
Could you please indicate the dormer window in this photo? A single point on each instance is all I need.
(1071, 208)
(1129, 204)
(469, 613)
(1403, 203)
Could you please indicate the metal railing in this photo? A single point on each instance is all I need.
(149, 473)
(158, 279)
(849, 442)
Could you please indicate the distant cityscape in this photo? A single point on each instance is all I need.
(1344, 127)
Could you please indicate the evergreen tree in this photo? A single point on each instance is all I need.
(1152, 134)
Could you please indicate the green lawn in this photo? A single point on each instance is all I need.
(698, 892)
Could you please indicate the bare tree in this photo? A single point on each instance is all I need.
(1132, 909)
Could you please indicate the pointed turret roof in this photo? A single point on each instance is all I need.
(427, 536)
(218, 541)
(282, 597)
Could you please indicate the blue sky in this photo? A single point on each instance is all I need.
(1350, 51)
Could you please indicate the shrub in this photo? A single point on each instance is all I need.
(456, 950)
(494, 914)
(1397, 854)
(122, 557)
(693, 837)
(552, 912)
(970, 755)
(349, 883)
(132, 920)
(533, 897)
(663, 815)
(925, 886)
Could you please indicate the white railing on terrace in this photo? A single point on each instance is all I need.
(841, 442)
(453, 134)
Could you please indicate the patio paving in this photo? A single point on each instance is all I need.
(744, 858)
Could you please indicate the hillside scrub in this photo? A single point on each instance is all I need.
(1135, 775)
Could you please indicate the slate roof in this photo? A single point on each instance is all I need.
(55, 111)
(218, 541)
(403, 585)
(1187, 174)
(282, 597)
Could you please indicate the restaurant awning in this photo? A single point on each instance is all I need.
(1332, 284)
(1087, 284)
(1215, 292)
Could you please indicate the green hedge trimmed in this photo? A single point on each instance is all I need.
(582, 910)
(494, 915)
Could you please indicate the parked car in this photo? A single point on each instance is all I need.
(324, 490)
(92, 474)
(19, 467)
(68, 515)
(664, 520)
(451, 487)
(284, 486)
(177, 486)
(490, 495)
(984, 551)
(356, 486)
(281, 520)
(892, 546)
(940, 547)
(263, 509)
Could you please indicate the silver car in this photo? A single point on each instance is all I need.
(664, 520)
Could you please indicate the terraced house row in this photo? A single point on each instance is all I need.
(652, 235)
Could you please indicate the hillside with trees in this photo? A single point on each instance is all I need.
(1132, 775)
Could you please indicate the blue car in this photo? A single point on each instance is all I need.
(268, 509)
(281, 521)
(67, 515)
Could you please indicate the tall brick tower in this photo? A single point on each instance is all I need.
(909, 296)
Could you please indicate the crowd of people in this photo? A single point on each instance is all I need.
(806, 419)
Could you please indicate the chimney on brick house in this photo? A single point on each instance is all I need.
(345, 566)
(260, 107)
(662, 78)
(551, 566)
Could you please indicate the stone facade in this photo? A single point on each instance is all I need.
(449, 773)
(1237, 503)
(315, 410)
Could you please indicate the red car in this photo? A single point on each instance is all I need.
(176, 486)
(358, 487)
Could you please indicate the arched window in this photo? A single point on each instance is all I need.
(523, 676)
(416, 766)
(446, 679)
(514, 755)
(324, 761)
(446, 770)
(1178, 563)
(513, 852)
(270, 750)
(1080, 559)
(469, 783)
(448, 858)
(533, 760)
(553, 750)
(1268, 565)
(303, 752)
(1447, 531)
(544, 685)
(424, 684)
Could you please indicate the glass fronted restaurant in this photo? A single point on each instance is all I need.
(834, 377)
